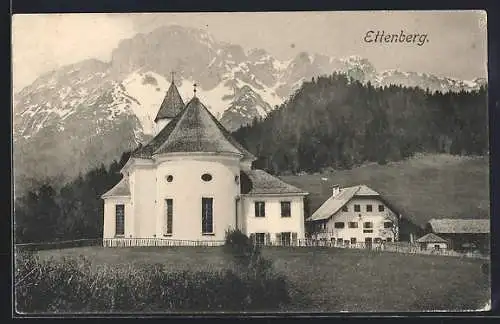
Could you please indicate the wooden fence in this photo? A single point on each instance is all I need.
(396, 247)
(131, 242)
(58, 244)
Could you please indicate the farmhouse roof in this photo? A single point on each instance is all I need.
(431, 238)
(121, 189)
(460, 226)
(260, 182)
(333, 204)
(172, 103)
(194, 129)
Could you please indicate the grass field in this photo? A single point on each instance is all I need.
(331, 280)
(423, 187)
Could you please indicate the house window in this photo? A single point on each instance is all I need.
(339, 225)
(381, 208)
(285, 209)
(344, 208)
(207, 225)
(378, 240)
(357, 208)
(367, 225)
(340, 241)
(120, 219)
(169, 214)
(260, 238)
(286, 238)
(387, 224)
(353, 240)
(367, 231)
(353, 224)
(389, 239)
(369, 208)
(436, 246)
(206, 177)
(260, 209)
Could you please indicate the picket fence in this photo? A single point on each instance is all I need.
(131, 242)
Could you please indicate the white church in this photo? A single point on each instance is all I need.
(192, 182)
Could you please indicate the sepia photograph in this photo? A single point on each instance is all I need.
(250, 162)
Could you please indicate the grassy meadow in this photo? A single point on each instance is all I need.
(423, 187)
(330, 280)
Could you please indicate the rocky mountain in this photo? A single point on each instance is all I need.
(246, 104)
(87, 113)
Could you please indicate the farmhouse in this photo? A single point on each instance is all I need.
(462, 234)
(431, 241)
(354, 215)
(193, 182)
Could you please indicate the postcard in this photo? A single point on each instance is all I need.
(229, 162)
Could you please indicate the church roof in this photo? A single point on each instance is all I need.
(194, 129)
(121, 189)
(172, 104)
(261, 182)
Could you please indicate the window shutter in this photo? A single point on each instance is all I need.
(294, 238)
(267, 239)
(252, 238)
(256, 209)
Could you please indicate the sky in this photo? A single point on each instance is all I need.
(456, 43)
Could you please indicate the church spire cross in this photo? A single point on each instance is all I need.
(172, 73)
(194, 90)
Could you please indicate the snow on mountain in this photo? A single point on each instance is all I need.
(246, 105)
(89, 112)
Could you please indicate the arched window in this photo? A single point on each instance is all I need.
(206, 177)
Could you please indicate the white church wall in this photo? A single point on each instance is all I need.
(143, 183)
(187, 189)
(273, 222)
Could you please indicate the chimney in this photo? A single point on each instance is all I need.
(335, 190)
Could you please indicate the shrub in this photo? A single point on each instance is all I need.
(71, 285)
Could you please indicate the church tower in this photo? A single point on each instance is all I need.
(172, 105)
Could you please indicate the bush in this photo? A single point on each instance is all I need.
(266, 283)
(240, 247)
(71, 285)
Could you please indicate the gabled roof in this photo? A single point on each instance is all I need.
(172, 104)
(431, 238)
(333, 204)
(195, 129)
(254, 182)
(121, 189)
(460, 226)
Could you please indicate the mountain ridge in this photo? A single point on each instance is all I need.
(126, 92)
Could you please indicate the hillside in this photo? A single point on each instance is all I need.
(423, 187)
(334, 121)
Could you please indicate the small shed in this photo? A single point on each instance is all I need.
(431, 241)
